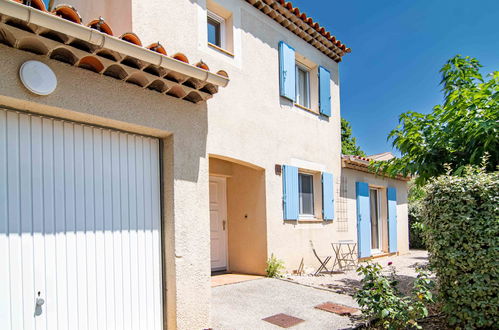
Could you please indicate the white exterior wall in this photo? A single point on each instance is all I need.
(248, 120)
(86, 97)
(353, 176)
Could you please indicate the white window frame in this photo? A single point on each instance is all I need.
(299, 66)
(306, 215)
(222, 23)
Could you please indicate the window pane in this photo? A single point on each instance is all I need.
(374, 218)
(306, 189)
(213, 32)
(302, 90)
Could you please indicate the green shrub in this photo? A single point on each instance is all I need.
(274, 267)
(416, 228)
(415, 197)
(461, 218)
(383, 304)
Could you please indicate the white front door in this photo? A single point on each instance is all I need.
(79, 226)
(218, 220)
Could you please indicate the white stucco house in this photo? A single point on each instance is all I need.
(146, 144)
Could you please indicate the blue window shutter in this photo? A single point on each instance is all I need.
(363, 219)
(324, 91)
(392, 219)
(290, 195)
(327, 196)
(287, 71)
(46, 2)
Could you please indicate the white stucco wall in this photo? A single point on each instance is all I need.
(84, 96)
(352, 176)
(247, 121)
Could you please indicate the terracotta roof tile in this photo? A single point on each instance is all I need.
(70, 13)
(67, 12)
(329, 45)
(131, 38)
(170, 75)
(362, 164)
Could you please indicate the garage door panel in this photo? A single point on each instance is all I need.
(82, 225)
(14, 222)
(37, 216)
(132, 204)
(25, 196)
(156, 245)
(116, 229)
(48, 197)
(4, 226)
(108, 230)
(60, 203)
(139, 156)
(100, 264)
(125, 229)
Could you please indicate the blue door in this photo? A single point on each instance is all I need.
(363, 219)
(392, 219)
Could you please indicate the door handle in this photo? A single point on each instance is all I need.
(38, 305)
(223, 225)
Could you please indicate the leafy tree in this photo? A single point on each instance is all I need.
(458, 132)
(348, 142)
(416, 227)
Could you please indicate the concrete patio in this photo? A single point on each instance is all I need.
(243, 305)
(242, 301)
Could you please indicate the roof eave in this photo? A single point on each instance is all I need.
(204, 83)
(363, 166)
(304, 27)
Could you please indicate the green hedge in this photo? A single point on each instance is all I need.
(462, 237)
(416, 240)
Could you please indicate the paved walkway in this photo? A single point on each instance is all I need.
(224, 279)
(244, 305)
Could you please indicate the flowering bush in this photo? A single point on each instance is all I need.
(383, 304)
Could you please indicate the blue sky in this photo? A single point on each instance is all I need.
(398, 47)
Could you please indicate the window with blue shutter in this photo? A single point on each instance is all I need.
(287, 71)
(290, 195)
(327, 196)
(324, 91)
(392, 219)
(363, 219)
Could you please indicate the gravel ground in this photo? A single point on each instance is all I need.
(348, 281)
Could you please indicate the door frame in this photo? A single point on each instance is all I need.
(222, 181)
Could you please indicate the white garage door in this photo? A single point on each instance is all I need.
(79, 226)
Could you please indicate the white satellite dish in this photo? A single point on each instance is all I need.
(38, 77)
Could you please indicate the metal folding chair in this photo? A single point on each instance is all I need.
(322, 261)
(344, 258)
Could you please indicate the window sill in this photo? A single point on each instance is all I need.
(306, 109)
(226, 52)
(312, 220)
